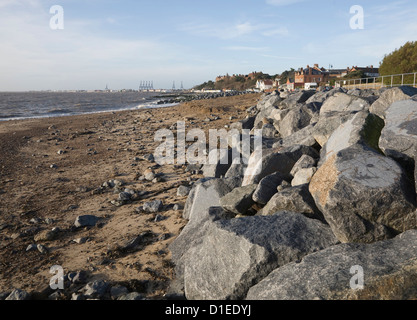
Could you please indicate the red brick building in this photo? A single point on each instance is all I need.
(309, 75)
(369, 71)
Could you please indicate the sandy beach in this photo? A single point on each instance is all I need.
(52, 171)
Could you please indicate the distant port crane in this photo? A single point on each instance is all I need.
(146, 85)
(174, 87)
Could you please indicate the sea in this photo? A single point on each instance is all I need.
(26, 105)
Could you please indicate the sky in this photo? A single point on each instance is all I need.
(122, 42)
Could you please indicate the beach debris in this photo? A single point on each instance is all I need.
(42, 249)
(183, 191)
(18, 294)
(86, 221)
(153, 206)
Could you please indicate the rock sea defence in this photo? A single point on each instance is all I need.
(335, 189)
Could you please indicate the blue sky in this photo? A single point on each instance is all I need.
(122, 42)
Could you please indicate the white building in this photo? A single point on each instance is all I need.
(310, 86)
(264, 84)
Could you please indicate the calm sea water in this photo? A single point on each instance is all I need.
(23, 105)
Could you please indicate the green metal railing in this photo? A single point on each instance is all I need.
(395, 80)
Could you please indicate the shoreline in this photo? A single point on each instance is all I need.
(53, 170)
(153, 101)
(168, 105)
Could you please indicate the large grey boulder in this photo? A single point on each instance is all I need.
(304, 162)
(277, 115)
(266, 107)
(295, 199)
(303, 136)
(238, 253)
(243, 144)
(239, 200)
(370, 95)
(342, 102)
(363, 195)
(319, 97)
(364, 129)
(303, 176)
(246, 124)
(206, 193)
(284, 94)
(193, 236)
(389, 96)
(326, 125)
(245, 148)
(264, 162)
(296, 119)
(267, 187)
(264, 117)
(219, 161)
(269, 131)
(389, 270)
(18, 294)
(294, 98)
(399, 136)
(269, 101)
(236, 170)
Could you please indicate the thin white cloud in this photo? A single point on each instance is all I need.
(246, 48)
(234, 31)
(15, 3)
(224, 31)
(244, 28)
(283, 32)
(389, 7)
(6, 3)
(111, 20)
(278, 57)
(279, 3)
